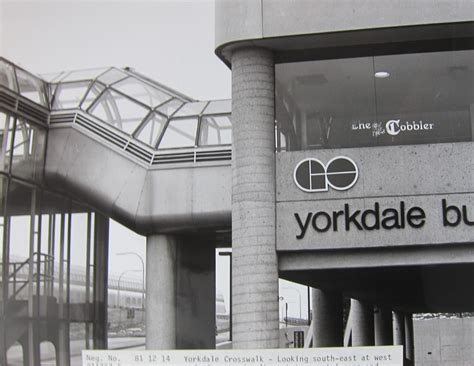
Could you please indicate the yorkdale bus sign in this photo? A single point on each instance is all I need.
(341, 173)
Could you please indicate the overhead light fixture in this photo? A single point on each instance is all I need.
(382, 74)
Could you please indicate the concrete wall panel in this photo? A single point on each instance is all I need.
(279, 16)
(145, 200)
(247, 20)
(182, 198)
(57, 142)
(127, 202)
(237, 20)
(388, 171)
(82, 171)
(421, 176)
(432, 232)
(444, 341)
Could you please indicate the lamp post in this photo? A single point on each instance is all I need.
(143, 276)
(118, 291)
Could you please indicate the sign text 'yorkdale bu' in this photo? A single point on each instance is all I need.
(341, 173)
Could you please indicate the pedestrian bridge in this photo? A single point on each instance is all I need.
(133, 149)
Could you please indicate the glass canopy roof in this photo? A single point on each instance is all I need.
(124, 99)
(23, 82)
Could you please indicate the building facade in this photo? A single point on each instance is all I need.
(348, 167)
(352, 163)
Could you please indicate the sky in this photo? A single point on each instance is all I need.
(170, 41)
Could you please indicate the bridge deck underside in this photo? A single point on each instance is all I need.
(413, 289)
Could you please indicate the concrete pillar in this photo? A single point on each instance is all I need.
(101, 270)
(181, 300)
(398, 328)
(196, 295)
(409, 339)
(31, 353)
(254, 260)
(161, 292)
(362, 323)
(3, 348)
(62, 344)
(327, 318)
(383, 326)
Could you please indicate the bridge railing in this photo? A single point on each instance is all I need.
(42, 276)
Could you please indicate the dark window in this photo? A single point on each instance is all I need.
(375, 101)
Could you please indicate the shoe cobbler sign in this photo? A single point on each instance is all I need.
(374, 197)
(392, 127)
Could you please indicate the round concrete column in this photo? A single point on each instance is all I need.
(409, 340)
(398, 328)
(327, 319)
(362, 323)
(254, 260)
(161, 292)
(383, 326)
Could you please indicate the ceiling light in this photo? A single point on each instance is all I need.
(382, 74)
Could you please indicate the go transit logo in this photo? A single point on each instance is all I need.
(311, 175)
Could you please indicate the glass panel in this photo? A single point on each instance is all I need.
(141, 91)
(6, 131)
(426, 98)
(170, 107)
(3, 197)
(384, 100)
(93, 93)
(47, 262)
(69, 95)
(112, 76)
(317, 102)
(62, 224)
(215, 130)
(7, 76)
(28, 151)
(60, 232)
(22, 224)
(125, 311)
(191, 109)
(88, 74)
(219, 107)
(52, 77)
(19, 209)
(119, 111)
(152, 129)
(179, 133)
(32, 87)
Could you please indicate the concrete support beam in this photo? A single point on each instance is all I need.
(327, 318)
(254, 260)
(383, 326)
(161, 292)
(362, 323)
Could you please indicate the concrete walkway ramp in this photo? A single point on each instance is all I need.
(147, 190)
